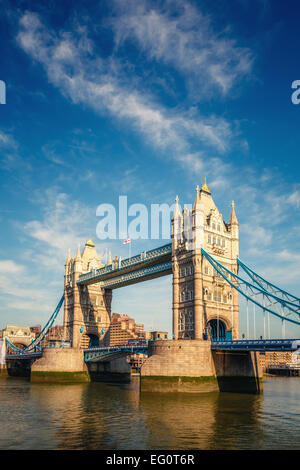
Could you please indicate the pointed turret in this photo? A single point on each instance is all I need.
(204, 187)
(197, 200)
(78, 255)
(68, 258)
(233, 226)
(196, 235)
(78, 263)
(176, 223)
(233, 218)
(176, 212)
(109, 260)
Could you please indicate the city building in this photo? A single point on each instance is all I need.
(122, 328)
(21, 336)
(158, 335)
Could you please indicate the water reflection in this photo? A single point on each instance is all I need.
(103, 416)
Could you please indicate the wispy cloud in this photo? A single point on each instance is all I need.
(60, 228)
(94, 82)
(179, 35)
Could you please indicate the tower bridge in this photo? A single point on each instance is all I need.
(208, 278)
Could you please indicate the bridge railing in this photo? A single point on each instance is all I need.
(287, 344)
(134, 275)
(134, 260)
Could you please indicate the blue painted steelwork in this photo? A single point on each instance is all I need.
(269, 287)
(238, 283)
(28, 355)
(258, 345)
(145, 257)
(96, 354)
(36, 342)
(138, 275)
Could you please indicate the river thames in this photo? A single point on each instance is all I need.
(118, 417)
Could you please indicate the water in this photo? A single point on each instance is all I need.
(111, 417)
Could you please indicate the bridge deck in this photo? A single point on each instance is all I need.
(102, 353)
(257, 345)
(153, 263)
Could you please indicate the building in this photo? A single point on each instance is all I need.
(122, 328)
(266, 358)
(86, 311)
(20, 336)
(158, 335)
(204, 305)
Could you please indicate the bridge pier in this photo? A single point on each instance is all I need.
(60, 365)
(238, 371)
(191, 366)
(113, 370)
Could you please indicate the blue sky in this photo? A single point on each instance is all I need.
(144, 99)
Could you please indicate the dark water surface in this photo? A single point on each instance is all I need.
(111, 417)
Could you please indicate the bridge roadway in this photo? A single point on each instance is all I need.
(144, 266)
(256, 345)
(107, 353)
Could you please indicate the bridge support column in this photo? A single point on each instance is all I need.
(238, 371)
(175, 299)
(60, 365)
(198, 297)
(191, 366)
(115, 370)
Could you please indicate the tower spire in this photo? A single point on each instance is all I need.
(78, 255)
(233, 218)
(204, 187)
(176, 212)
(197, 200)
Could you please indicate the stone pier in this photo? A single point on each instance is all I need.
(191, 366)
(60, 365)
(67, 365)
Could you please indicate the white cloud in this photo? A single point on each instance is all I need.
(7, 141)
(294, 199)
(62, 226)
(95, 83)
(181, 36)
(10, 267)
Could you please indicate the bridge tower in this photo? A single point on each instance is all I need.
(87, 309)
(203, 305)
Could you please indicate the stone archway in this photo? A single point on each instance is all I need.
(94, 341)
(217, 330)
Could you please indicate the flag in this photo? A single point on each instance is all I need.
(126, 241)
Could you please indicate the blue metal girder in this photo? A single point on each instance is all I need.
(147, 257)
(220, 269)
(138, 276)
(36, 342)
(94, 354)
(261, 282)
(28, 355)
(257, 345)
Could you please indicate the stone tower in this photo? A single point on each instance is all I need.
(87, 308)
(204, 305)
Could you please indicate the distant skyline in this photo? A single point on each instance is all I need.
(144, 99)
